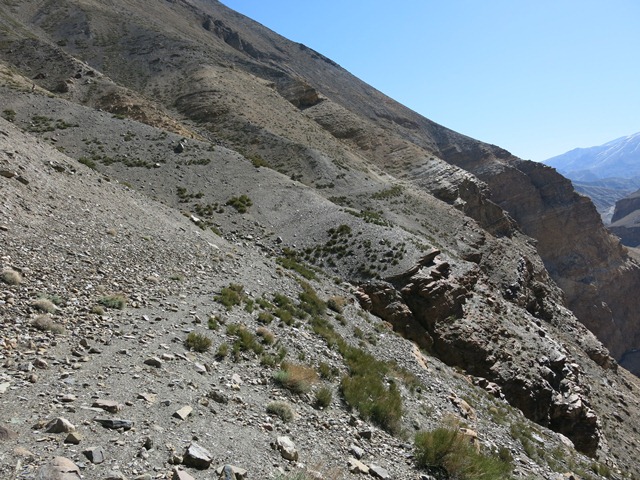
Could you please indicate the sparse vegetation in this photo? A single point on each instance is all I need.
(9, 115)
(46, 324)
(366, 387)
(265, 317)
(231, 296)
(223, 351)
(290, 263)
(323, 397)
(448, 453)
(388, 193)
(213, 322)
(197, 342)
(310, 302)
(296, 378)
(241, 203)
(116, 301)
(245, 340)
(11, 277)
(282, 410)
(44, 305)
(337, 303)
(88, 162)
(267, 335)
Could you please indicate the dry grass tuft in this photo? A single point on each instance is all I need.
(46, 324)
(44, 305)
(11, 277)
(296, 378)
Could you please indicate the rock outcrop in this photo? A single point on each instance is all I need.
(438, 309)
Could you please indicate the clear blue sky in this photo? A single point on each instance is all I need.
(537, 77)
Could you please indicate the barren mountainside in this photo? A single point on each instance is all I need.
(220, 250)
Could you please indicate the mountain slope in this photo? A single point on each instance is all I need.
(286, 170)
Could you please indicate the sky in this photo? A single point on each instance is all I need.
(537, 77)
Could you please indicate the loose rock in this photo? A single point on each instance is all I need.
(60, 468)
(60, 425)
(197, 457)
(94, 454)
(287, 449)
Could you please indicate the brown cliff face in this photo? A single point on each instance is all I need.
(582, 257)
(587, 262)
(438, 307)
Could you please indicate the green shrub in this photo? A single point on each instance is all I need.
(97, 310)
(223, 351)
(113, 301)
(358, 333)
(197, 342)
(324, 395)
(285, 315)
(264, 303)
(88, 162)
(249, 305)
(282, 410)
(282, 353)
(265, 317)
(231, 296)
(375, 401)
(245, 340)
(57, 300)
(212, 322)
(9, 115)
(310, 302)
(241, 203)
(447, 451)
(291, 263)
(268, 360)
(325, 370)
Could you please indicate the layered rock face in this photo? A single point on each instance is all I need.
(588, 263)
(438, 308)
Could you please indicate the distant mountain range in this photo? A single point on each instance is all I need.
(605, 173)
(617, 158)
